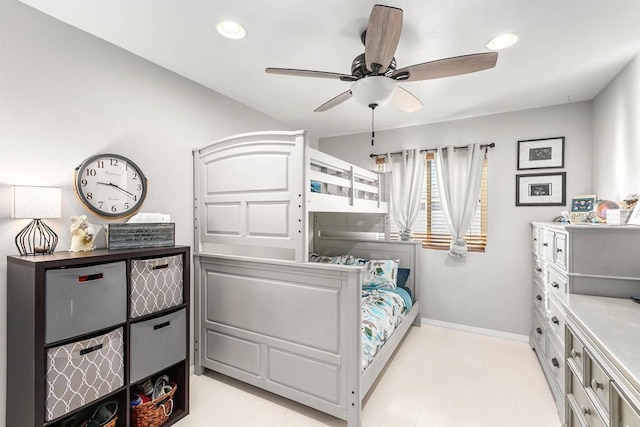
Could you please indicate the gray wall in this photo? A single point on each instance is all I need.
(488, 290)
(65, 95)
(616, 135)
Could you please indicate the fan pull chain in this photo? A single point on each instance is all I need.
(373, 133)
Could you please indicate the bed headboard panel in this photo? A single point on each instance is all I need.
(408, 253)
(248, 196)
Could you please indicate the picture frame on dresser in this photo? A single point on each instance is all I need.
(581, 206)
(543, 189)
(634, 219)
(544, 153)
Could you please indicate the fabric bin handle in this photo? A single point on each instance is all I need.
(160, 267)
(90, 349)
(161, 325)
(90, 277)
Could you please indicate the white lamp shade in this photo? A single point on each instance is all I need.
(376, 90)
(36, 202)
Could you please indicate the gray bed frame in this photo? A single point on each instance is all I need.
(263, 314)
(294, 329)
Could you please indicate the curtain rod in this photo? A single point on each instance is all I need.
(492, 145)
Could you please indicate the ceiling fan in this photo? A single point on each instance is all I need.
(374, 73)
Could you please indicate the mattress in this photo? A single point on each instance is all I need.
(382, 311)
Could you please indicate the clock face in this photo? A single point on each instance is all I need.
(110, 185)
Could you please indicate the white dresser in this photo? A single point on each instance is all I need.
(576, 259)
(550, 285)
(603, 362)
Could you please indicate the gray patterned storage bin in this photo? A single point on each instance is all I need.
(83, 371)
(156, 284)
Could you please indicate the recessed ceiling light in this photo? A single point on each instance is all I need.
(231, 30)
(502, 41)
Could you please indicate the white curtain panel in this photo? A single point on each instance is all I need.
(459, 177)
(407, 179)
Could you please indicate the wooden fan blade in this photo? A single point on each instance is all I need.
(405, 100)
(334, 101)
(447, 67)
(382, 37)
(311, 73)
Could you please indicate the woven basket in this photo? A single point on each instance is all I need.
(155, 412)
(111, 423)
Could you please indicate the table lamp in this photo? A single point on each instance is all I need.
(36, 203)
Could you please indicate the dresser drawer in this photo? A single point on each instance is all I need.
(546, 245)
(535, 240)
(625, 414)
(86, 299)
(573, 419)
(556, 320)
(540, 335)
(82, 372)
(597, 381)
(156, 284)
(584, 406)
(538, 297)
(560, 250)
(575, 351)
(555, 359)
(153, 344)
(539, 269)
(558, 284)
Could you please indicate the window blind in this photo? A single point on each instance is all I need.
(431, 225)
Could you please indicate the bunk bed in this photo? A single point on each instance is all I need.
(264, 313)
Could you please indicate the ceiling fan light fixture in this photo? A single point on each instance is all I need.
(502, 41)
(231, 30)
(374, 90)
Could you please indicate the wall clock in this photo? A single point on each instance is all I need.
(110, 185)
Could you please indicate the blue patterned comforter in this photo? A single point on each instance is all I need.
(382, 311)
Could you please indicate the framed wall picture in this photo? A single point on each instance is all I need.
(541, 153)
(543, 189)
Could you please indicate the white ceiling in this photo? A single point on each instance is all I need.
(568, 51)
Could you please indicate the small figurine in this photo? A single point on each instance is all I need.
(82, 234)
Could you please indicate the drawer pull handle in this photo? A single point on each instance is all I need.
(538, 269)
(538, 330)
(161, 325)
(545, 244)
(538, 297)
(585, 411)
(160, 267)
(555, 320)
(575, 353)
(595, 385)
(555, 285)
(555, 362)
(90, 277)
(558, 250)
(90, 349)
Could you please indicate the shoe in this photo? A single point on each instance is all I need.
(161, 387)
(145, 387)
(103, 414)
(135, 400)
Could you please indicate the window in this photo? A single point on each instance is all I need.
(431, 226)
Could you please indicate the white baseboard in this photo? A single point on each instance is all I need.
(476, 330)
